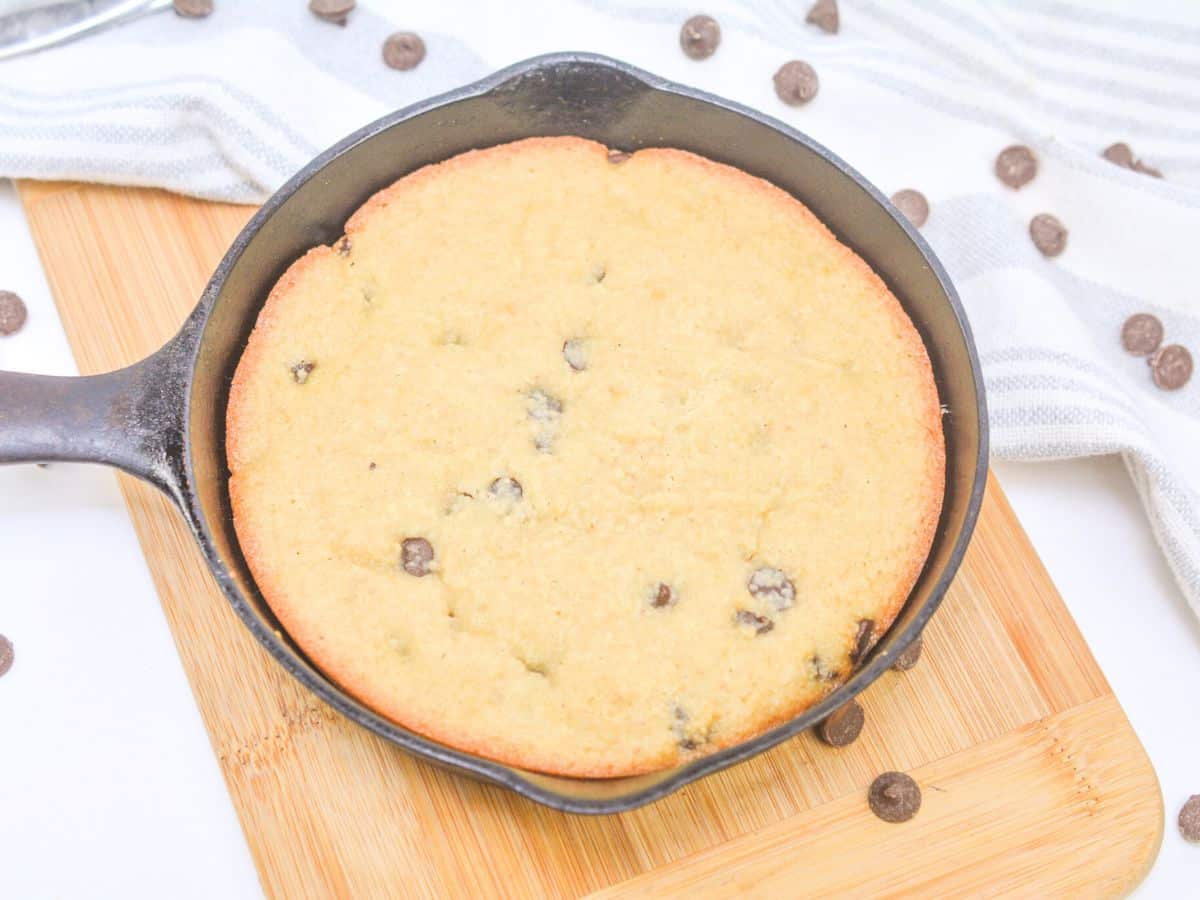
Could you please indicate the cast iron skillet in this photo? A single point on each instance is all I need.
(163, 419)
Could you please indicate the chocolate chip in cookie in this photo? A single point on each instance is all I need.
(506, 489)
(663, 595)
(864, 638)
(773, 586)
(544, 407)
(843, 725)
(894, 797)
(342, 247)
(416, 556)
(747, 619)
(301, 370)
(616, 157)
(575, 352)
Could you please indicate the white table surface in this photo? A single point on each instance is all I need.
(108, 784)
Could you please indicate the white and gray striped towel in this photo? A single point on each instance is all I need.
(914, 93)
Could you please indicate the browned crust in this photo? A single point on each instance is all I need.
(313, 641)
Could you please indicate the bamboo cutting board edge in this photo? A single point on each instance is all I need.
(1012, 698)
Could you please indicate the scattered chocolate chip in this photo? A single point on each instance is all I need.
(1119, 153)
(544, 407)
(1016, 166)
(505, 488)
(843, 725)
(416, 555)
(342, 247)
(913, 204)
(824, 15)
(760, 624)
(1141, 334)
(403, 50)
(371, 467)
(1122, 155)
(894, 797)
(863, 640)
(772, 585)
(662, 595)
(1189, 816)
(193, 9)
(599, 272)
(301, 371)
(6, 654)
(1049, 235)
(796, 83)
(909, 657)
(1171, 367)
(700, 37)
(13, 313)
(334, 11)
(575, 352)
(617, 156)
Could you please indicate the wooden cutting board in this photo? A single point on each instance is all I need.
(1033, 778)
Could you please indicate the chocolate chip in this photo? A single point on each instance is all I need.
(700, 37)
(772, 585)
(913, 204)
(416, 556)
(1121, 154)
(1141, 334)
(371, 467)
(342, 247)
(796, 83)
(13, 313)
(824, 15)
(1016, 166)
(403, 50)
(193, 9)
(301, 371)
(544, 407)
(335, 11)
(6, 654)
(1049, 235)
(1189, 818)
(820, 670)
(909, 657)
(760, 624)
(1171, 367)
(688, 736)
(598, 273)
(894, 797)
(863, 640)
(843, 725)
(618, 156)
(575, 352)
(662, 595)
(507, 489)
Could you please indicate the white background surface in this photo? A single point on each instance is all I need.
(108, 784)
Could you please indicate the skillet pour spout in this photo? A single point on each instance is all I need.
(163, 419)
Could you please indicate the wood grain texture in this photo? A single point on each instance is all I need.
(1034, 780)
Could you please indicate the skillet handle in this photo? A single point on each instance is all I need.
(133, 419)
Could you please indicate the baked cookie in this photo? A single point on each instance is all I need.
(583, 461)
